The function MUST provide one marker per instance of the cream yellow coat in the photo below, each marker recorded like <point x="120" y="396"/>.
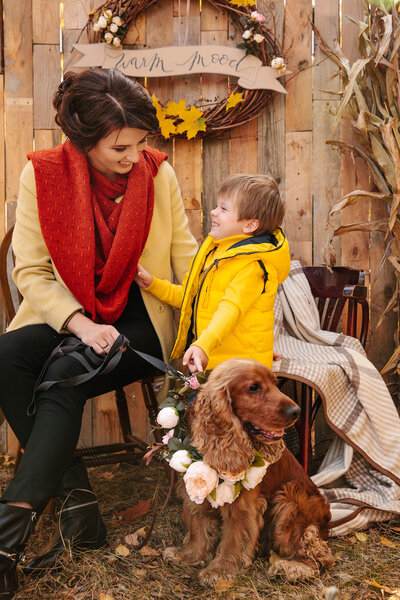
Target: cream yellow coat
<point x="169" y="245"/>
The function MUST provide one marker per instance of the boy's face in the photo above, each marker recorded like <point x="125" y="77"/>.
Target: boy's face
<point x="225" y="223"/>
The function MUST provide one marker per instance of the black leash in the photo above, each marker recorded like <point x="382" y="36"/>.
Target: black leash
<point x="93" y="363"/>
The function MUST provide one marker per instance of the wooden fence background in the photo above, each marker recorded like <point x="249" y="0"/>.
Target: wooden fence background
<point x="288" y="140"/>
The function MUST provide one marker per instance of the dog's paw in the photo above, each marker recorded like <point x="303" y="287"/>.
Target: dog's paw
<point x="171" y="554"/>
<point x="293" y="570"/>
<point x="182" y="556"/>
<point x="209" y="577"/>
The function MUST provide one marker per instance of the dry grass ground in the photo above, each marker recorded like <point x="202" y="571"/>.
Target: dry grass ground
<point x="103" y="575"/>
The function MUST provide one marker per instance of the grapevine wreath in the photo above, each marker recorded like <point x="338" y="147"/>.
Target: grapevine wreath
<point x="110" y="23"/>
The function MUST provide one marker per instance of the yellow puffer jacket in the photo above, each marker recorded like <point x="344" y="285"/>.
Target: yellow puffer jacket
<point x="227" y="297"/>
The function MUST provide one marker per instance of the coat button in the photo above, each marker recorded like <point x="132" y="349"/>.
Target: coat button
<point x="145" y="252"/>
<point x="161" y="308"/>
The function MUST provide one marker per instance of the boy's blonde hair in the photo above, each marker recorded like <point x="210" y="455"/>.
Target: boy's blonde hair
<point x="255" y="197"/>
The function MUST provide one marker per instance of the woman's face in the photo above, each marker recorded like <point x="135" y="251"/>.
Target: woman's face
<point x="115" y="154"/>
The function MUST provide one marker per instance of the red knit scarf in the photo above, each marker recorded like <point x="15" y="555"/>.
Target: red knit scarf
<point x="94" y="243"/>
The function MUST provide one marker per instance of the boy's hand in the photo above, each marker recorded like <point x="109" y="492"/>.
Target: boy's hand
<point x="195" y="358"/>
<point x="276" y="356"/>
<point x="142" y="277"/>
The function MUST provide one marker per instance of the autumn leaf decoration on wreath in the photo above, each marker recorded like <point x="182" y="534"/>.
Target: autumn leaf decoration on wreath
<point x="110" y="23"/>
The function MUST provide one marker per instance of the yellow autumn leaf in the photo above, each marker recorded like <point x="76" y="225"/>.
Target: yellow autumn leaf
<point x="122" y="550"/>
<point x="242" y="2"/>
<point x="176" y="109"/>
<point x="374" y="583"/>
<point x="388" y="543"/>
<point x="195" y="127"/>
<point x="223" y="585"/>
<point x="234" y="99"/>
<point x="167" y="126"/>
<point x="159" y="109"/>
<point x="106" y="596"/>
<point x="362" y="537"/>
<point x="192" y="122"/>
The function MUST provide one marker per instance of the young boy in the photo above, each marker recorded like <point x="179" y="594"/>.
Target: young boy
<point x="227" y="297"/>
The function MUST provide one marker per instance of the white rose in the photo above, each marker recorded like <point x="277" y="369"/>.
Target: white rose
<point x="259" y="38"/>
<point x="246" y="34"/>
<point x="117" y="21"/>
<point x="278" y="63"/>
<point x="180" y="461"/>
<point x="224" y="493"/>
<point x="108" y="14"/>
<point x="102" y="22"/>
<point x="113" y="28"/>
<point x="168" y="417"/>
<point x="200" y="479"/>
<point x="116" y="42"/>
<point x="108" y="37"/>
<point x="96" y="27"/>
<point x="254" y="475"/>
<point x="231" y="478"/>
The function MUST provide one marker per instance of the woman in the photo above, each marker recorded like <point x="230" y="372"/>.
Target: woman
<point x="87" y="210"/>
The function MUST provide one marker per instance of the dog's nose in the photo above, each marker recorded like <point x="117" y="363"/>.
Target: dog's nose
<point x="292" y="412"/>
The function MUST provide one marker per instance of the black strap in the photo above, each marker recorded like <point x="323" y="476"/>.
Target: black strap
<point x="94" y="364"/>
<point x="260" y="262"/>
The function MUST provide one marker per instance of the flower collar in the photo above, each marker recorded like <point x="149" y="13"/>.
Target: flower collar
<point x="202" y="481"/>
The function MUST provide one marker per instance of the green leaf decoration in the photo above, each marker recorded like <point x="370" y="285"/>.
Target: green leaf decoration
<point x="168" y="402"/>
<point x="213" y="494"/>
<point x="180" y="405"/>
<point x="174" y="444"/>
<point x="258" y="462"/>
<point x="238" y="489"/>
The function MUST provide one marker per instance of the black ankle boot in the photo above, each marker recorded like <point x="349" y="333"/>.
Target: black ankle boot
<point x="79" y="526"/>
<point x="16" y="525"/>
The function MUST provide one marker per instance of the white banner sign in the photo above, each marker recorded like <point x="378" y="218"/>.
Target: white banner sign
<point x="183" y="60"/>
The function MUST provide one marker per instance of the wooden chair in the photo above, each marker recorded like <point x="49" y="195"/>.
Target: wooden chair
<point x="132" y="447"/>
<point x="341" y="298"/>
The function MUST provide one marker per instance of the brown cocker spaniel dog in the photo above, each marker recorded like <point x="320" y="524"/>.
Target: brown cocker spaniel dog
<point x="238" y="410"/>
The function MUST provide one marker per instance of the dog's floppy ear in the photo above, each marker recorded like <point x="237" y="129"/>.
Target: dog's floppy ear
<point x="217" y="432"/>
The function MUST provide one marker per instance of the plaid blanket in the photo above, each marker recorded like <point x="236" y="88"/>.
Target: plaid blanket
<point x="365" y="451"/>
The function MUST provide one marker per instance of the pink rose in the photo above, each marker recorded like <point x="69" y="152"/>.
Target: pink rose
<point x="168" y="436"/>
<point x="194" y="384"/>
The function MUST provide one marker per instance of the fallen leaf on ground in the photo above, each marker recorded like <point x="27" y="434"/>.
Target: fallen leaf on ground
<point x="112" y="559"/>
<point x="134" y="539"/>
<point x="222" y="585"/>
<point x="108" y="475"/>
<point x="139" y="573"/>
<point x="147" y="551"/>
<point x="362" y="537"/>
<point x="384" y="588"/>
<point x="133" y="513"/>
<point x="106" y="596"/>
<point x="395" y="528"/>
<point x="388" y="543"/>
<point x="122" y="550"/>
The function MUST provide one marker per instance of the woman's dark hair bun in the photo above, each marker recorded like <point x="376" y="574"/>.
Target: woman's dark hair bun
<point x="93" y="103"/>
<point x="64" y="86"/>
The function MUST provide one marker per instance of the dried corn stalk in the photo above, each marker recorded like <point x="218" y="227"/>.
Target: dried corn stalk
<point x="370" y="100"/>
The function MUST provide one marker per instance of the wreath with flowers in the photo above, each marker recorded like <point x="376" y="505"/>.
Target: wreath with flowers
<point x="110" y="23"/>
<point x="202" y="481"/>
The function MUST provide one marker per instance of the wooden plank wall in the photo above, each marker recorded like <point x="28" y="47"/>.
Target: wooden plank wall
<point x="286" y="141"/>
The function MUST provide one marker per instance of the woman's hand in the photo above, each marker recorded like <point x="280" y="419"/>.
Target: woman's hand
<point x="99" y="337"/>
<point x="142" y="277"/>
<point x="195" y="358"/>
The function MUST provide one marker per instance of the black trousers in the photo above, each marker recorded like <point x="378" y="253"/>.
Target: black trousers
<point x="49" y="437"/>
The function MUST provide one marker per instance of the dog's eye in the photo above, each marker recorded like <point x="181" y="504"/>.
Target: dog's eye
<point x="255" y="387"/>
